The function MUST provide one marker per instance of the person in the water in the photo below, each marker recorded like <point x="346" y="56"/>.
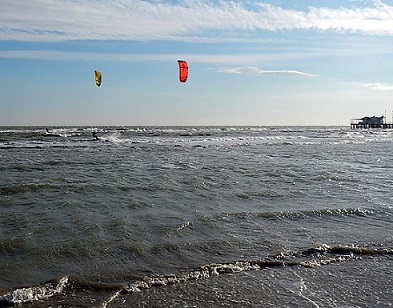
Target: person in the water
<point x="94" y="134"/>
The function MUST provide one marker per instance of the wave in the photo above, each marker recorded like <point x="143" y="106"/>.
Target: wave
<point x="194" y="136"/>
<point x="294" y="215"/>
<point x="322" y="255"/>
<point x="36" y="293"/>
<point x="320" y="213"/>
<point x="347" y="250"/>
<point x="314" y="257"/>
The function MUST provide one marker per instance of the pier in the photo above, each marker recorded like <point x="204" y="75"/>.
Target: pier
<point x="371" y="122"/>
<point x="366" y="126"/>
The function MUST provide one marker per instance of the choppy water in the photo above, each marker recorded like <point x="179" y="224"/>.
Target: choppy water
<point x="190" y="217"/>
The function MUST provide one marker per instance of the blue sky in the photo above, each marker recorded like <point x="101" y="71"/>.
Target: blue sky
<point x="280" y="62"/>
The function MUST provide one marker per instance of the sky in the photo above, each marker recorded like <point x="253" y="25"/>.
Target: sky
<point x="251" y="62"/>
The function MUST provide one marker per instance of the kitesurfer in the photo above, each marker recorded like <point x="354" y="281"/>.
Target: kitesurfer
<point x="94" y="134"/>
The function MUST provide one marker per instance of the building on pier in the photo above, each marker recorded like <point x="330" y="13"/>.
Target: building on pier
<point x="371" y="122"/>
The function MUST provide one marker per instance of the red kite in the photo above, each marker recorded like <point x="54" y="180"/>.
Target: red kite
<point x="183" y="70"/>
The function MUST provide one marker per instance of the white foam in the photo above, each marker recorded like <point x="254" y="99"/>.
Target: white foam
<point x="45" y="291"/>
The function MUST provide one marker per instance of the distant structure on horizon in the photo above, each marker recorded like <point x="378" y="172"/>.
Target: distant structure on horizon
<point x="370" y="122"/>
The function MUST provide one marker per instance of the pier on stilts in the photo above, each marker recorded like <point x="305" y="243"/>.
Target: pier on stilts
<point x="371" y="122"/>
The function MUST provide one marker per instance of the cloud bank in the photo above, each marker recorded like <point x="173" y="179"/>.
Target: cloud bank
<point x="379" y="86"/>
<point x="48" y="20"/>
<point x="223" y="59"/>
<point x="256" y="71"/>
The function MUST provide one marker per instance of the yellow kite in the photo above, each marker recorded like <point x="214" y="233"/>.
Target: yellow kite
<point x="98" y="78"/>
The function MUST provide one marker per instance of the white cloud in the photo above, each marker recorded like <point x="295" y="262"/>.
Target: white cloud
<point x="379" y="86"/>
<point x="256" y="71"/>
<point x="222" y="59"/>
<point x="50" y="55"/>
<point x="48" y="20"/>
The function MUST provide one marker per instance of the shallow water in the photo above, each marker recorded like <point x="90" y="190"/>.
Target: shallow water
<point x="226" y="216"/>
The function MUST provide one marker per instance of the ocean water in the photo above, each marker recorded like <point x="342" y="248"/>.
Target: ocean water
<point x="196" y="217"/>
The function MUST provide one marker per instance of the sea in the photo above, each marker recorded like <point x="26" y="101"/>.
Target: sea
<point x="196" y="217"/>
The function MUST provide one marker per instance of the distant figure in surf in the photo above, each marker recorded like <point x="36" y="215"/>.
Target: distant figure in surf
<point x="94" y="134"/>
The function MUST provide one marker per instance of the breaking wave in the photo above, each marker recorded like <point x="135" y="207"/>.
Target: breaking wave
<point x="314" y="257"/>
<point x="36" y="293"/>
